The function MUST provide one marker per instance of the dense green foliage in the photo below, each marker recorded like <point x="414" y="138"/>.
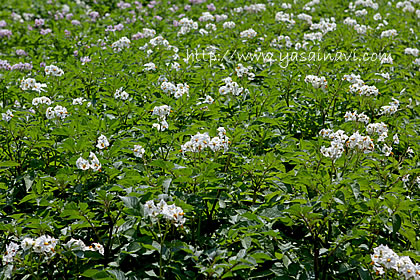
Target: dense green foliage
<point x="270" y="206"/>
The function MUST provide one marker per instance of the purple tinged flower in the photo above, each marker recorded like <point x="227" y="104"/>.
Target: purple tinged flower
<point x="123" y="5"/>
<point x="75" y="22"/>
<point x="3" y="23"/>
<point x="58" y="16"/>
<point x="68" y="33"/>
<point x="175" y="23"/>
<point x="5" y="32"/>
<point x="158" y="18"/>
<point x="22" y="66"/>
<point x="42" y="64"/>
<point x="69" y="16"/>
<point x="39" y="22"/>
<point x="137" y="36"/>
<point x="4" y="64"/>
<point x="45" y="31"/>
<point x="75" y="53"/>
<point x="119" y="27"/>
<point x="85" y="60"/>
<point x="211" y="7"/>
<point x="187" y="7"/>
<point x="93" y="15"/>
<point x="110" y="28"/>
<point x="21" y="52"/>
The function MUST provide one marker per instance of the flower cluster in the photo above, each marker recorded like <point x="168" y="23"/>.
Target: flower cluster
<point x="358" y="86"/>
<point x="285" y="17"/>
<point x="392" y="108"/>
<point x="53" y="70"/>
<point x="171" y="213"/>
<point x="11" y="251"/>
<point x="379" y="128"/>
<point x="31" y="84"/>
<point x="138" y="151"/>
<point x="325" y="25"/>
<point x="41" y="100"/>
<point x="150" y="66"/>
<point x="120" y="94"/>
<point x="162" y="112"/>
<point x="229" y="25"/>
<point x="46" y="245"/>
<point x="255" y="8"/>
<point x="339" y="140"/>
<point x="244" y="71"/>
<point x="76" y="244"/>
<point x="317" y="82"/>
<point x="56" y="112"/>
<point x="389" y="33"/>
<point x="21" y="66"/>
<point x="84" y="164"/>
<point x="249" y="34"/>
<point x="42" y="245"/>
<point x="206" y="16"/>
<point x="412" y="51"/>
<point x="361" y="142"/>
<point x="353" y="116"/>
<point x="178" y="91"/>
<point x="230" y="87"/>
<point x="7" y="116"/>
<point x="200" y="141"/>
<point x="121" y="44"/>
<point x="186" y="26"/>
<point x="384" y="258"/>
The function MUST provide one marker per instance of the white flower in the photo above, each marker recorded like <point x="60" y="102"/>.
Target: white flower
<point x="45" y="244"/>
<point x="249" y="34"/>
<point x="405" y="178"/>
<point x="389" y="33"/>
<point x="161" y="111"/>
<point x="27" y="243"/>
<point x="75" y="244"/>
<point x="56" y="112"/>
<point x="229" y="25"/>
<point x="208" y="100"/>
<point x="82" y="163"/>
<point x="396" y="139"/>
<point x="186" y="26"/>
<point x="79" y="101"/>
<point x="138" y="151"/>
<point x="11" y="251"/>
<point x="121" y="44"/>
<point x="120" y="94"/>
<point x="102" y="142"/>
<point x="41" y="100"/>
<point x="150" y="66"/>
<point x="49" y="113"/>
<point x="60" y="112"/>
<point x="334" y="151"/>
<point x="31" y="84"/>
<point x="244" y="71"/>
<point x="95" y="165"/>
<point x="157" y="126"/>
<point x="172" y="213"/>
<point x="387" y="150"/>
<point x="53" y="70"/>
<point x="7" y="116"/>
<point x="317" y="82"/>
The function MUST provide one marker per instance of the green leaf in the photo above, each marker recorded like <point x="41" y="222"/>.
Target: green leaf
<point x="9" y="164"/>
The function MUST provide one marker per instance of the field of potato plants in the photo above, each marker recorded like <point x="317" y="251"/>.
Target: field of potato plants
<point x="207" y="139"/>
